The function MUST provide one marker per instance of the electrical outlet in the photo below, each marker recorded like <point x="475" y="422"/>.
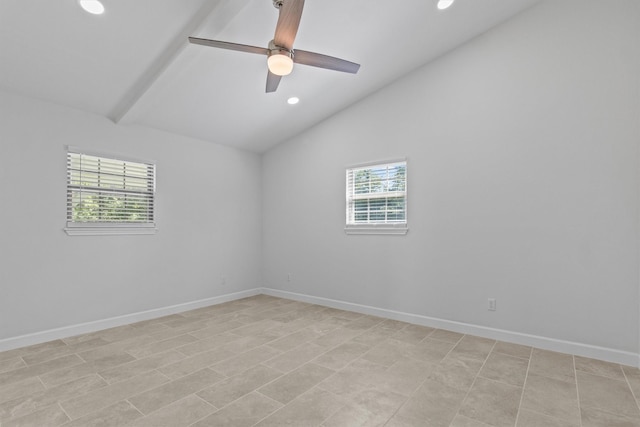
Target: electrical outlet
<point x="288" y="277"/>
<point x="223" y="280"/>
<point x="491" y="304"/>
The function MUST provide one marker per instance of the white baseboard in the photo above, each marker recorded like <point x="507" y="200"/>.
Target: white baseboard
<point x="84" y="328"/>
<point x="579" y="349"/>
<point x="585" y="350"/>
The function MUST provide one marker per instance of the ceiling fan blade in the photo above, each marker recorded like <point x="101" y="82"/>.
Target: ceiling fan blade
<point x="230" y="46"/>
<point x="323" y="61"/>
<point x="273" y="81"/>
<point x="288" y="22"/>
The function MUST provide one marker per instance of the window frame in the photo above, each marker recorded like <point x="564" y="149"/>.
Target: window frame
<point x="74" y="228"/>
<point x="396" y="228"/>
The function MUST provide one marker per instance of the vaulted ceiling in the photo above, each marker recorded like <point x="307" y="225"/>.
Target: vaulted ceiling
<point x="134" y="65"/>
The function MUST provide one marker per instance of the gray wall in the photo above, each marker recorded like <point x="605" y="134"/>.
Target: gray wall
<point x="208" y="215"/>
<point x="522" y="151"/>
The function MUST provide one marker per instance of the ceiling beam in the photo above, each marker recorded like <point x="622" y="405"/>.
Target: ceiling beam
<point x="225" y="10"/>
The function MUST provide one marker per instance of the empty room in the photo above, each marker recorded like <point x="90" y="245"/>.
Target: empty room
<point x="319" y="213"/>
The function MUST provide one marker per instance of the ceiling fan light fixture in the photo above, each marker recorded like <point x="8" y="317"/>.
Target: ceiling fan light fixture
<point x="443" y="4"/>
<point x="280" y="64"/>
<point x="92" y="6"/>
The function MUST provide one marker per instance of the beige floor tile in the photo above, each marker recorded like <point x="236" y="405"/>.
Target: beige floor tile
<point x="599" y="367"/>
<point x="208" y="344"/>
<point x="527" y="418"/>
<point x="140" y="366"/>
<point x="505" y="369"/>
<point x="403" y="377"/>
<point x="434" y="404"/>
<point x="294" y="340"/>
<point x="553" y="365"/>
<point x="352" y="416"/>
<point x="456" y="373"/>
<point x="412" y="334"/>
<point x="32" y="349"/>
<point x="552" y="397"/>
<point x="244" y="412"/>
<point x="189" y="365"/>
<point x="230" y="389"/>
<point x="607" y="394"/>
<point x="444" y="335"/>
<point x="216" y="329"/>
<point x="492" y="403"/>
<point x="341" y="356"/>
<point x="511" y="349"/>
<point x="597" y="418"/>
<point x="430" y="350"/>
<point x="336" y="337"/>
<point x="363" y="323"/>
<point x="326" y="325"/>
<point x="117" y="347"/>
<point x="119" y="414"/>
<point x="462" y="421"/>
<point x="256" y="328"/>
<point x="387" y="353"/>
<point x="373" y="336"/>
<point x="25" y="405"/>
<point x="377" y="407"/>
<point x="25" y="387"/>
<point x="11" y="364"/>
<point x="57" y="352"/>
<point x="400" y="421"/>
<point x="64" y="375"/>
<point x="165" y="394"/>
<point x="161" y="346"/>
<point x="51" y="416"/>
<point x="472" y="348"/>
<point x="109" y="395"/>
<point x="245" y="361"/>
<point x="293" y="384"/>
<point x="184" y="412"/>
<point x="308" y="410"/>
<point x="357" y="377"/>
<point x="21" y="374"/>
<point x="287" y="362"/>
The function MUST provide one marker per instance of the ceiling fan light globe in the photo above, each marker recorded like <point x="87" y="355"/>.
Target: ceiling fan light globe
<point x="92" y="6"/>
<point x="279" y="64"/>
<point x="444" y="4"/>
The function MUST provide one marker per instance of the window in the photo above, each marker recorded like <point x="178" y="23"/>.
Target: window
<point x="108" y="195"/>
<point x="377" y="198"/>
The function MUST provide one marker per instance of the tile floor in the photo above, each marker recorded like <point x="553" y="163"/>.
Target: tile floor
<point x="265" y="361"/>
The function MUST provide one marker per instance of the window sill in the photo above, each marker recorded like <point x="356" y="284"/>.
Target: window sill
<point x="372" y="229"/>
<point x="109" y="231"/>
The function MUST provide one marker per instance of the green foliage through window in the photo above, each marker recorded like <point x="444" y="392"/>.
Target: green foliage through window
<point x="109" y="191"/>
<point x="377" y="194"/>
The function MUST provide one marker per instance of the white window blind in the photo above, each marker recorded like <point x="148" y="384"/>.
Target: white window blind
<point x="377" y="198"/>
<point x="107" y="194"/>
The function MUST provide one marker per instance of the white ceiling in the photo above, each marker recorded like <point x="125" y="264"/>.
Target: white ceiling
<point x="134" y="65"/>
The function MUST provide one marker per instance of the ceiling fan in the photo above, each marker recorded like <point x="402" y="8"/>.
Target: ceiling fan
<point x="280" y="54"/>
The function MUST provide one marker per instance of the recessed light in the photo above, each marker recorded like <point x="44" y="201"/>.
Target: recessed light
<point x="293" y="100"/>
<point x="443" y="4"/>
<point x="92" y="6"/>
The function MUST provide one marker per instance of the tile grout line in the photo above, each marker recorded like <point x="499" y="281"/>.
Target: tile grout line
<point x="575" y="374"/>
<point x="426" y="379"/>
<point x="476" y="378"/>
<point x="630" y="388"/>
<point x="524" y="385"/>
